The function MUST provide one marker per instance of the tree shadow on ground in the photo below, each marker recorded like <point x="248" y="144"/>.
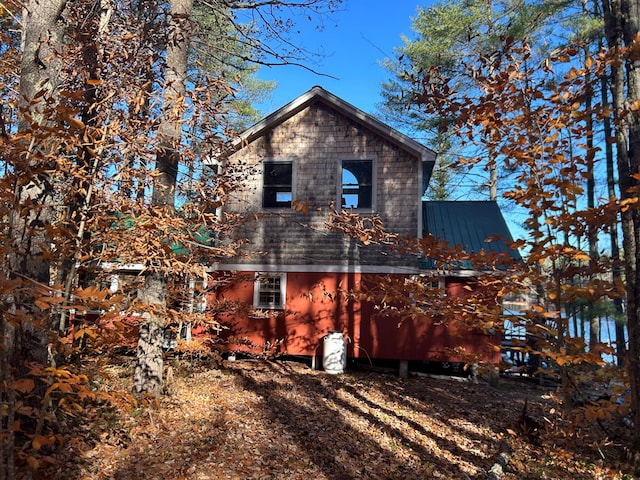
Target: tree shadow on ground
<point x="280" y="420"/>
<point x="427" y="409"/>
<point x="345" y="420"/>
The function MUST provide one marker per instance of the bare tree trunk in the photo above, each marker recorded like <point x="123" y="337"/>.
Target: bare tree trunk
<point x="148" y="373"/>
<point x="148" y="376"/>
<point x="24" y="333"/>
<point x="621" y="27"/>
<point x="616" y="272"/>
<point x="631" y="218"/>
<point x="592" y="233"/>
<point x="28" y="237"/>
<point x="168" y="156"/>
<point x="493" y="179"/>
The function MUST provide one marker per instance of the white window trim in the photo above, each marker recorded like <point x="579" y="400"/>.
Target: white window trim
<point x="374" y="182"/>
<point x="431" y="282"/>
<point x="198" y="295"/>
<point x="256" y="290"/>
<point x="293" y="182"/>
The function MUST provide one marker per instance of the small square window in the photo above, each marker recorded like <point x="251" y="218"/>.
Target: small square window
<point x="357" y="184"/>
<point x="269" y="291"/>
<point x="432" y="284"/>
<point x="277" y="189"/>
<point x="422" y="290"/>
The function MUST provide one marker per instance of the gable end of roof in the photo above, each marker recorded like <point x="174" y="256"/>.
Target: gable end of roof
<point x="319" y="94"/>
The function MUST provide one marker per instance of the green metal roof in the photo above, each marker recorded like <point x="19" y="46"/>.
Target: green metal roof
<point x="199" y="233"/>
<point x="467" y="224"/>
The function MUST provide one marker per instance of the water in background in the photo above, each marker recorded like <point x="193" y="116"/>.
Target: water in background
<point x="607" y="334"/>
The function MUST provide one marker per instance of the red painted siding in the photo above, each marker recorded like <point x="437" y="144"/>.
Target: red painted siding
<point x="316" y="304"/>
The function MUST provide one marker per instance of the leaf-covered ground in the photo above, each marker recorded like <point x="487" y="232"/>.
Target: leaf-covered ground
<point x="255" y="419"/>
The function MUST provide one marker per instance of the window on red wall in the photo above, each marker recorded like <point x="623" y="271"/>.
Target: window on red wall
<point x="269" y="291"/>
<point x="423" y="290"/>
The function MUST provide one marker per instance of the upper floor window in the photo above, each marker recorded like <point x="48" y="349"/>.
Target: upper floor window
<point x="269" y="290"/>
<point x="357" y="184"/>
<point x="277" y="189"/>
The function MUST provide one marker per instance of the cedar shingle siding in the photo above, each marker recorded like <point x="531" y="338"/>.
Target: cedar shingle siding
<point x="316" y="140"/>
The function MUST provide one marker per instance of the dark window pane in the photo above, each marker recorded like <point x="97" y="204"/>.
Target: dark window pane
<point x="267" y="298"/>
<point x="365" y="197"/>
<point x="277" y="184"/>
<point x="361" y="169"/>
<point x="269" y="294"/>
<point x="277" y="173"/>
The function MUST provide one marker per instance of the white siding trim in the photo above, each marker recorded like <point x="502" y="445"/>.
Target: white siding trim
<point x="256" y="267"/>
<point x="382" y="269"/>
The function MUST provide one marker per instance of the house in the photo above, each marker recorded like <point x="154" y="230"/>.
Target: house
<point x="315" y="154"/>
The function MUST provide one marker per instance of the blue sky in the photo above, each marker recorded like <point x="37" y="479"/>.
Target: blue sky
<point x="354" y="41"/>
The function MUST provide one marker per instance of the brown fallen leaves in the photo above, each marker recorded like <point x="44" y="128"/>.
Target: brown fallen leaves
<point x="280" y="420"/>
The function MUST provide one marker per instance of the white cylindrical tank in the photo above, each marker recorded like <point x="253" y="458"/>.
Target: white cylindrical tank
<point x="334" y="357"/>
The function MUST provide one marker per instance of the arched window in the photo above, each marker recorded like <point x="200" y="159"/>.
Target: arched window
<point x="357" y="184"/>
